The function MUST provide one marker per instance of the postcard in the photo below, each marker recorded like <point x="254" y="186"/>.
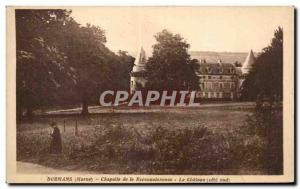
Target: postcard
<point x="150" y="95"/>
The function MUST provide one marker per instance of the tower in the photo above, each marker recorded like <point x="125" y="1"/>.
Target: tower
<point x="137" y="76"/>
<point x="248" y="64"/>
<point x="246" y="68"/>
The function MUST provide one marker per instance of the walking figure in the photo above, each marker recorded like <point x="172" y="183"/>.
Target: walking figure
<point x="55" y="146"/>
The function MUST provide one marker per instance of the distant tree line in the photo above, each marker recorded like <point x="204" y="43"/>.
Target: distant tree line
<point x="60" y="62"/>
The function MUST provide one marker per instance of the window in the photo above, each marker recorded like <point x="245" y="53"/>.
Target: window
<point x="233" y="85"/>
<point x="208" y="69"/>
<point x="207" y="85"/>
<point x="201" y="86"/>
<point x="221" y="70"/>
<point x="220" y="85"/>
<point x="231" y="70"/>
<point x="209" y="77"/>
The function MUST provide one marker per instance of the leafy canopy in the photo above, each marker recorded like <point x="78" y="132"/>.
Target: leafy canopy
<point x="267" y="75"/>
<point x="61" y="62"/>
<point x="170" y="67"/>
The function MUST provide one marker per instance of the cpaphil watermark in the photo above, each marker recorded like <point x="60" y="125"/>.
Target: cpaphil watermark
<point x="139" y="98"/>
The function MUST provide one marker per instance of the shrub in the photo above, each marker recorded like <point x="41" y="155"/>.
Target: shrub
<point x="265" y="127"/>
<point x="163" y="151"/>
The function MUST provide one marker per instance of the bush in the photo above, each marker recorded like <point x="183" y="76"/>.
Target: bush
<point x="265" y="126"/>
<point x="163" y="151"/>
<point x="117" y="147"/>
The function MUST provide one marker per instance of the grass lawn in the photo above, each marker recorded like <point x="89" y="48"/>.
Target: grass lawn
<point x="210" y="140"/>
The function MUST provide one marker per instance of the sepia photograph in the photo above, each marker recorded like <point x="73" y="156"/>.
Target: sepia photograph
<point x="160" y="94"/>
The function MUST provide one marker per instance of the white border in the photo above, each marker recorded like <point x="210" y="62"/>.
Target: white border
<point x="4" y="3"/>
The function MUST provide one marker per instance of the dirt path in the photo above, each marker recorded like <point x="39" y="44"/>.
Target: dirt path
<point x="148" y="109"/>
<point x="31" y="168"/>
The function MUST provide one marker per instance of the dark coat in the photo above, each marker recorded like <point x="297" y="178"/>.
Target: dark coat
<point x="56" y="145"/>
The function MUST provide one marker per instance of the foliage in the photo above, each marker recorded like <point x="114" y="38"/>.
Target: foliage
<point x="95" y="64"/>
<point x="170" y="67"/>
<point x="161" y="143"/>
<point x="266" y="123"/>
<point x="41" y="67"/>
<point x="61" y="62"/>
<point x="266" y="79"/>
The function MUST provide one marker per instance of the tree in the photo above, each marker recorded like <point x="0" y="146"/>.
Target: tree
<point x="266" y="78"/>
<point x="41" y="67"/>
<point x="97" y="67"/>
<point x="87" y="54"/>
<point x="122" y="71"/>
<point x="61" y="62"/>
<point x="237" y="64"/>
<point x="170" y="67"/>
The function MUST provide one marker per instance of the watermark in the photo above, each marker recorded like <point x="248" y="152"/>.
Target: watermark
<point x="138" y="98"/>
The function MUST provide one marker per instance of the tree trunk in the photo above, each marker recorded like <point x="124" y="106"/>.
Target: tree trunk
<point x="85" y="106"/>
<point x="29" y="112"/>
<point x="19" y="113"/>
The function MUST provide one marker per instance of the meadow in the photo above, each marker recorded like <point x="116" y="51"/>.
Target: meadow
<point x="210" y="140"/>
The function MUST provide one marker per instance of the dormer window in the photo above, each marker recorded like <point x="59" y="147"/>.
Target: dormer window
<point x="208" y="69"/>
<point x="220" y="70"/>
<point x="231" y="70"/>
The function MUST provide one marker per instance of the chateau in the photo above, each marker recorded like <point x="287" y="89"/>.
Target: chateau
<point x="218" y="80"/>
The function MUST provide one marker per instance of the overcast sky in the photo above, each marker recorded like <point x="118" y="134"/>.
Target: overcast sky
<point x="205" y="29"/>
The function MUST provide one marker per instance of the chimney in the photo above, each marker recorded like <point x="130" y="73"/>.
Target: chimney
<point x="203" y="61"/>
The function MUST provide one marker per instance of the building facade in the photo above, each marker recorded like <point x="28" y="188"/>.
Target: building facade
<point x="217" y="80"/>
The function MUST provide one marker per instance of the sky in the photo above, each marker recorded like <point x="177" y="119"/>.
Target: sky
<point x="221" y="29"/>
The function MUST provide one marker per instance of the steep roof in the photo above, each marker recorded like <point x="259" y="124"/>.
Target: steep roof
<point x="210" y="56"/>
<point x="249" y="62"/>
<point x="217" y="69"/>
<point x="140" y="61"/>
